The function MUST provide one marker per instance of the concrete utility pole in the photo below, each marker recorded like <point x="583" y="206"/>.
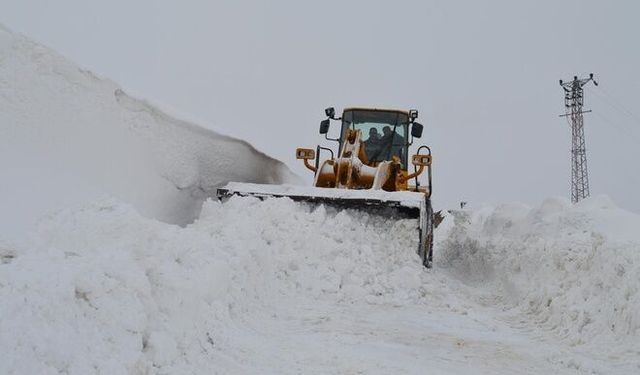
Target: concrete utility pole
<point x="573" y="101"/>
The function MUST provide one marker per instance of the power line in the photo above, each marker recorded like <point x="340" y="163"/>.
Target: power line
<point x="626" y="131"/>
<point x="608" y="99"/>
<point x="629" y="137"/>
<point x="617" y="108"/>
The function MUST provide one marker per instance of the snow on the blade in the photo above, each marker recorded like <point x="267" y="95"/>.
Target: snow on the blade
<point x="67" y="136"/>
<point x="406" y="198"/>
<point x="573" y="270"/>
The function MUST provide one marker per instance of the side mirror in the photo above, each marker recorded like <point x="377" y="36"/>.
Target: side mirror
<point x="305" y="153"/>
<point x="416" y="130"/>
<point x="324" y="126"/>
<point x="330" y="112"/>
<point x="421" y="160"/>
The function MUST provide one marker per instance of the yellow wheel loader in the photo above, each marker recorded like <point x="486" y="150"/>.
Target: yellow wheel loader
<point x="371" y="171"/>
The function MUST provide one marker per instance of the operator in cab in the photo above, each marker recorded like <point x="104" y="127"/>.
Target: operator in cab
<point x="372" y="144"/>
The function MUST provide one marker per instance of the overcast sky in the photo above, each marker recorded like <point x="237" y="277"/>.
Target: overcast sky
<point x="484" y="76"/>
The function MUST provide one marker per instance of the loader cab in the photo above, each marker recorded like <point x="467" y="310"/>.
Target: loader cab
<point x="384" y="133"/>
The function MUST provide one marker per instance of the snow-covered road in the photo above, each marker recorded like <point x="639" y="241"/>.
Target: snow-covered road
<point x="310" y="336"/>
<point x="278" y="287"/>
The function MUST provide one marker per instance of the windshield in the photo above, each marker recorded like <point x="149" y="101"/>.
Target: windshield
<point x="384" y="133"/>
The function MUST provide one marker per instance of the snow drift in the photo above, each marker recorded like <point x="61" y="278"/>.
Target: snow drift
<point x="67" y="136"/>
<point x="573" y="270"/>
<point x="102" y="289"/>
<point x="276" y="286"/>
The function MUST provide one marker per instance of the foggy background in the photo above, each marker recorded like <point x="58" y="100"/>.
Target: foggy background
<point x="484" y="76"/>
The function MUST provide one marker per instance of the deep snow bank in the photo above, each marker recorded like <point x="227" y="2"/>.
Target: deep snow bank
<point x="570" y="269"/>
<point x="67" y="136"/>
<point x="102" y="289"/>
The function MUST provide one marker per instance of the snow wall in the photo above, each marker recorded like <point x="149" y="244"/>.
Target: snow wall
<point x="573" y="270"/>
<point x="67" y="136"/>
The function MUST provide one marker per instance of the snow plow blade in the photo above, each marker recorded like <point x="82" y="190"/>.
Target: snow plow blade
<point x="395" y="205"/>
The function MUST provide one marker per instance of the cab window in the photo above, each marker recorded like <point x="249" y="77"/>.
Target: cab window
<point x="384" y="133"/>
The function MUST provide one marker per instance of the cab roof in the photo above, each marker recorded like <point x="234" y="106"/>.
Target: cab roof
<point x="377" y="110"/>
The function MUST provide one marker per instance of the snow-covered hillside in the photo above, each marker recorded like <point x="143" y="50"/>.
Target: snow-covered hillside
<point x="67" y="136"/>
